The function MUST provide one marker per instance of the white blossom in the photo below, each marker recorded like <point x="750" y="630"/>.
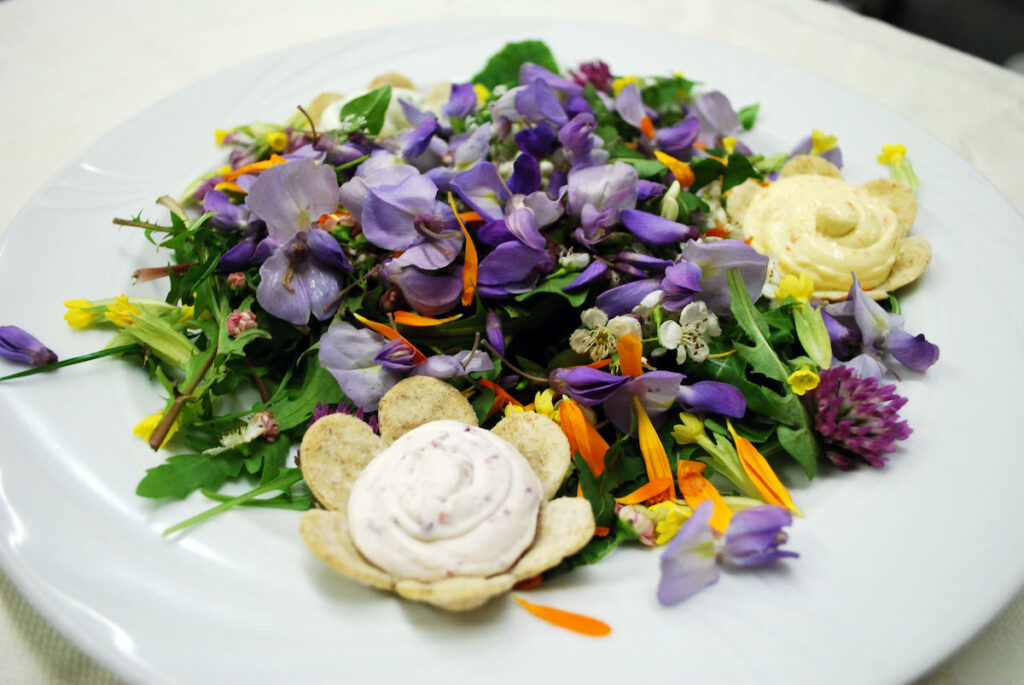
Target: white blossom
<point x="689" y="336"/>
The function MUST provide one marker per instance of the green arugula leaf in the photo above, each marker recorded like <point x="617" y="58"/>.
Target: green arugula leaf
<point x="738" y="170"/>
<point x="760" y="356"/>
<point x="802" y="446"/>
<point x="503" y="67"/>
<point x="297" y="405"/>
<point x="366" y="112"/>
<point x="482" y="404"/>
<point x="748" y="116"/>
<point x="184" y="473"/>
<point x="601" y="500"/>
<point x="554" y="284"/>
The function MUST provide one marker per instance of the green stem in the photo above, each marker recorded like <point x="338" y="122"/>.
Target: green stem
<point x="280" y="483"/>
<point x="75" y="360"/>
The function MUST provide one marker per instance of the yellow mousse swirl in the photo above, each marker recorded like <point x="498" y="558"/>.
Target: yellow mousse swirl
<point x="826" y="228"/>
<point x="444" y="500"/>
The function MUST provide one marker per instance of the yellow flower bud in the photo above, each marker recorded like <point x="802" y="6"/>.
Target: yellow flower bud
<point x="219" y="135"/>
<point x="277" y="141"/>
<point x="121" y="311"/>
<point x="144" y="428"/>
<point x="821" y="142"/>
<point x="690" y="430"/>
<point x="892" y="154"/>
<point x="803" y="380"/>
<point x="620" y="83"/>
<point x="800" y="288"/>
<point x="482" y="92"/>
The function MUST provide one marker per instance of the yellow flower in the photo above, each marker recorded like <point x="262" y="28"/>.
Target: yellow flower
<point x="144" y="428"/>
<point x="620" y="83"/>
<point x="220" y="134"/>
<point x="511" y="409"/>
<point x="543" y="403"/>
<point x="800" y="288"/>
<point x="277" y="141"/>
<point x="188" y="312"/>
<point x="803" y="380"/>
<point x="820" y="142"/>
<point x="482" y="92"/>
<point x="226" y="169"/>
<point x="121" y="311"/>
<point x="729" y="144"/>
<point x="669" y="517"/>
<point x="892" y="154"/>
<point x="77" y="315"/>
<point x="689" y="431"/>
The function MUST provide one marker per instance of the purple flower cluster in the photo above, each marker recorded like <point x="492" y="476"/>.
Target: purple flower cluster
<point x="858" y="418"/>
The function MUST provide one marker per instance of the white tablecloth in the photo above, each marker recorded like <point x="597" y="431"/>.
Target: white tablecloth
<point x="72" y="70"/>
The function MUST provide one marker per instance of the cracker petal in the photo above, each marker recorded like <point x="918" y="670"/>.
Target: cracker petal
<point x="326" y="534"/>
<point x="809" y="164"/>
<point x="899" y="197"/>
<point x="334" y="451"/>
<point x="418" y="400"/>
<point x="566" y="524"/>
<point x="542" y="442"/>
<point x="461" y="593"/>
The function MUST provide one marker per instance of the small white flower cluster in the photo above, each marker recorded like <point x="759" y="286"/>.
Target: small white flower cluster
<point x="690" y="335"/>
<point x="598" y="336"/>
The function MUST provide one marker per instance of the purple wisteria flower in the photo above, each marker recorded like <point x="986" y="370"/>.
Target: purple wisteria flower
<point x="461" y="102"/>
<point x="409" y="217"/>
<point x="680" y="284"/>
<point x="597" y="194"/>
<point x="622" y="298"/>
<point x="656" y="230"/>
<point x="350" y="355"/>
<point x="860" y="322"/>
<point x="495" y="335"/>
<point x="718" y="119"/>
<point x="716" y="259"/>
<point x="675" y="140"/>
<point x="858" y="418"/>
<point x="383" y="168"/>
<point x="537" y="102"/>
<point x="690" y="561"/>
<point x="512" y="268"/>
<point x="304" y="272"/>
<point x="19" y="346"/>
<point x="428" y="292"/>
<point x="586" y="385"/>
<point x="445" y="366"/>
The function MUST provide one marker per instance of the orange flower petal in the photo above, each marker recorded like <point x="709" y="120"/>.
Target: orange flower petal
<point x="594" y="365"/>
<point x="391" y="334"/>
<point x="647" y="127"/>
<point x="657" y="489"/>
<point x="582" y="436"/>
<point x="577" y="623"/>
<point x="469" y="216"/>
<point x="631" y="355"/>
<point x="403" y="318"/>
<point x="501" y="397"/>
<point x="255" y="166"/>
<point x="651" y="447"/>
<point x="696" y="489"/>
<point x="470" y="262"/>
<point x="761" y="473"/>
<point x="680" y="169"/>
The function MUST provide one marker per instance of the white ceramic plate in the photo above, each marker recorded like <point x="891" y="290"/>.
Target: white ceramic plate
<point x="898" y="566"/>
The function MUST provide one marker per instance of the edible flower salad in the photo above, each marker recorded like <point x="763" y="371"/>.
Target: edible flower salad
<point x="577" y="246"/>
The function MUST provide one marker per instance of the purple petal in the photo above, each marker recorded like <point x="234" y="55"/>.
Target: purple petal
<point x="383" y="168"/>
<point x="755" y="535"/>
<point x="326" y="249"/>
<point x="311" y="289"/>
<point x="645" y="190"/>
<point x="19" y="346"/>
<point x="348" y="354"/>
<point x="537" y="103"/>
<point x="546" y="210"/>
<point x="481" y="188"/>
<point x="513" y="266"/>
<point x="429" y="293"/>
<point x="630" y="106"/>
<point x="575" y="135"/>
<point x="396" y="356"/>
<point x="530" y="72"/>
<point x="239" y="257"/>
<point x="688" y="563"/>
<point x="623" y="298"/>
<point x="494" y="233"/>
<point x="654" y="229"/>
<point x="865" y="365"/>
<point x="712" y="397"/>
<point x="657" y="392"/>
<point x="716" y="259"/>
<point x="677" y="139"/>
<point x="606" y="186"/>
<point x="585" y="385"/>
<point x="461" y="102"/>
<point x="681" y="283"/>
<point x="495" y="336"/>
<point x="525" y="176"/>
<point x="229" y="215"/>
<point x="389" y="212"/>
<point x="643" y="261"/>
<point x="717" y="117"/>
<point x="593" y="272"/>
<point x="523" y="225"/>
<point x="289" y="197"/>
<point x="472" y="148"/>
<point x="417" y="140"/>
<point x="913" y="351"/>
<point x="538" y="142"/>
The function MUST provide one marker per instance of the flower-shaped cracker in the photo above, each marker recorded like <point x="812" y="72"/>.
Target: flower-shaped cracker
<point x="828" y="229"/>
<point x="336" y="449"/>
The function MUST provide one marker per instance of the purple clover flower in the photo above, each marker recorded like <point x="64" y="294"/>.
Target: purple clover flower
<point x="321" y="410"/>
<point x="858" y="418"/>
<point x="19" y="346"/>
<point x="596" y="73"/>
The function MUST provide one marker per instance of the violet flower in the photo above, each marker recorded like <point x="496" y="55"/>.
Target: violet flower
<point x="229" y="216"/>
<point x="349" y="354"/>
<point x="537" y="102"/>
<point x="656" y="230"/>
<point x="461" y="102"/>
<point x="539" y="141"/>
<point x="877" y="331"/>
<point x="858" y="418"/>
<point x="585" y="146"/>
<point x="718" y="119"/>
<point x="303" y="274"/>
<point x="586" y="385"/>
<point x="530" y="72"/>
<point x="428" y="292"/>
<point x="495" y="335"/>
<point x="446" y="366"/>
<point x="675" y="140"/>
<point x="716" y="259"/>
<point x="511" y="269"/>
<point x="396" y="356"/>
<point x="622" y="298"/>
<point x="381" y="169"/>
<point x="597" y="194"/>
<point x="680" y="284"/>
<point x="409" y="217"/>
<point x="690" y="561"/>
<point x="19" y="346"/>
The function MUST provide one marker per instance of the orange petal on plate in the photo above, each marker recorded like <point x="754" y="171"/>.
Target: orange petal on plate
<point x="656" y="489"/>
<point x="582" y="436"/>
<point x="647" y="127"/>
<point x="391" y="334"/>
<point x="631" y="355"/>
<point x="255" y="166"/>
<point x="680" y="169"/>
<point x="696" y="489"/>
<point x="470" y="262"/>
<point x="761" y="473"/>
<point x="404" y="318"/>
<point x="577" y="623"/>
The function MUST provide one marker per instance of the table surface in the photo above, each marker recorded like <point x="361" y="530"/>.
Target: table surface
<point x="74" y="70"/>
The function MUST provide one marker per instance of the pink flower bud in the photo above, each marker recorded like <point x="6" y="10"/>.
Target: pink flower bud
<point x="269" y="422"/>
<point x="240" y="320"/>
<point x="236" y="280"/>
<point x="641" y="521"/>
